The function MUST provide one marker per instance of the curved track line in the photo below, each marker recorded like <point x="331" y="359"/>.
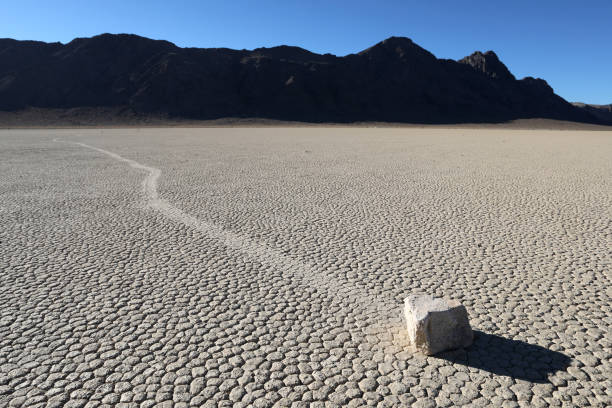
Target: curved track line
<point x="367" y="305"/>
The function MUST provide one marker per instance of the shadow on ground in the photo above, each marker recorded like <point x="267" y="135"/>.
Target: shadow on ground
<point x="512" y="358"/>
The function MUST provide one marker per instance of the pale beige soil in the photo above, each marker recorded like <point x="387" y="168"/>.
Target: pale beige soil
<point x="267" y="266"/>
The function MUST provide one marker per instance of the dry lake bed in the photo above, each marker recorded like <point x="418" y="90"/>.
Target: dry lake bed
<point x="267" y="267"/>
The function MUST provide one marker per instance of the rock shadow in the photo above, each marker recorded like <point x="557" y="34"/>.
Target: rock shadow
<point x="512" y="358"/>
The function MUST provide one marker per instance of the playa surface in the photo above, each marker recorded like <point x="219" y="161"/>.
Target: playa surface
<point x="268" y="266"/>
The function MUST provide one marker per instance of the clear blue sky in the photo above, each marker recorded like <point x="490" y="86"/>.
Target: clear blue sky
<point x="568" y="43"/>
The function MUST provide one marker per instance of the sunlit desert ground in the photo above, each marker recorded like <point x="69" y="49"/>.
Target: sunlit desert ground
<point x="267" y="267"/>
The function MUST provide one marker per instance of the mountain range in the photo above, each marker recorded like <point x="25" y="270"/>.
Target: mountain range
<point x="393" y="81"/>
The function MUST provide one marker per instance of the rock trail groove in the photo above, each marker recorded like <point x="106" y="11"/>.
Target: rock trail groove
<point x="367" y="304"/>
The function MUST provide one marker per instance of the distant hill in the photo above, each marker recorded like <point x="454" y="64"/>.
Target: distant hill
<point x="602" y="112"/>
<point x="393" y="81"/>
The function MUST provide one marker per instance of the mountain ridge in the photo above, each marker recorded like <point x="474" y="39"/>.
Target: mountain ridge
<point x="602" y="112"/>
<point x="395" y="80"/>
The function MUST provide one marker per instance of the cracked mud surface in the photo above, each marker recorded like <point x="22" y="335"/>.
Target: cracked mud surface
<point x="270" y="268"/>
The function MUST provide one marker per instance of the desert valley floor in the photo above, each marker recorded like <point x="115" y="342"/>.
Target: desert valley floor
<point x="268" y="266"/>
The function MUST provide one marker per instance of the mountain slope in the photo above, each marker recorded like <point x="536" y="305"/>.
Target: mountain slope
<point x="602" y="112"/>
<point x="395" y="80"/>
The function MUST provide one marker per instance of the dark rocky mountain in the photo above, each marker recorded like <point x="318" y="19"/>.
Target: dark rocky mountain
<point x="489" y="64"/>
<point x="395" y="81"/>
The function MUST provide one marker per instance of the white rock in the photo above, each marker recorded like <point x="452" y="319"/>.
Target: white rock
<point x="436" y="325"/>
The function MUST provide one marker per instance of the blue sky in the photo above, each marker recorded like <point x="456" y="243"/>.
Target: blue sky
<point x="568" y="43"/>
